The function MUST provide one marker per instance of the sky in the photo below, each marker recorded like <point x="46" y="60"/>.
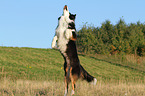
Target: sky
<point x="32" y="23"/>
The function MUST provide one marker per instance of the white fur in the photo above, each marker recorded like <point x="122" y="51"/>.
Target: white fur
<point x="54" y="42"/>
<point x="62" y="33"/>
<point x="65" y="93"/>
<point x="72" y="92"/>
<point x="68" y="34"/>
<point x="94" y="81"/>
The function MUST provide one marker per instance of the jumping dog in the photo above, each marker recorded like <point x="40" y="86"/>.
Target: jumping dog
<point x="65" y="37"/>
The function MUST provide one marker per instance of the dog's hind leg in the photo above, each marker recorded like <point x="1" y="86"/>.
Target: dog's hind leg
<point x="67" y="79"/>
<point x="73" y="82"/>
<point x="73" y="87"/>
<point x="66" y="86"/>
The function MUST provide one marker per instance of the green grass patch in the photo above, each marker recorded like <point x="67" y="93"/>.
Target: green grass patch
<point x="47" y="64"/>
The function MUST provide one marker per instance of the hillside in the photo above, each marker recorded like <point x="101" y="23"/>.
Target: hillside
<point x="47" y="64"/>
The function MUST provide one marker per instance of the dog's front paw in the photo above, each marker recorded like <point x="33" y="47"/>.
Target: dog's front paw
<point x="68" y="34"/>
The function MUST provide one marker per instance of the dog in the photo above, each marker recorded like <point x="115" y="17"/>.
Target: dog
<point x="66" y="37"/>
<point x="62" y="32"/>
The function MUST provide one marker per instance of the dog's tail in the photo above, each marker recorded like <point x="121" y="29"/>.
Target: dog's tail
<point x="86" y="76"/>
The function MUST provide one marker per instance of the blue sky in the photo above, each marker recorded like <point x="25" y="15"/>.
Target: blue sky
<point x="32" y="23"/>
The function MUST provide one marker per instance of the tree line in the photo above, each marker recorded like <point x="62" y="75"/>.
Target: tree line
<point x="112" y="39"/>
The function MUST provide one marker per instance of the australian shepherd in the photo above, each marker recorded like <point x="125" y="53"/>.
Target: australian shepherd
<point x="64" y="40"/>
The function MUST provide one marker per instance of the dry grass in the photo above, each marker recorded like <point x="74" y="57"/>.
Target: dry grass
<point x="135" y="59"/>
<point x="37" y="72"/>
<point x="51" y="88"/>
<point x="125" y="60"/>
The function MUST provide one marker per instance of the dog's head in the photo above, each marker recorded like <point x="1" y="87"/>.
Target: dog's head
<point x="67" y="18"/>
<point x="66" y="11"/>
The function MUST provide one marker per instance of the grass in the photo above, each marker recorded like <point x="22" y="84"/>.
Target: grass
<point x="129" y="61"/>
<point x="51" y="88"/>
<point x="32" y="72"/>
<point x="30" y="63"/>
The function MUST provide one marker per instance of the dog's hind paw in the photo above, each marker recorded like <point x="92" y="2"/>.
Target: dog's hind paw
<point x="72" y="92"/>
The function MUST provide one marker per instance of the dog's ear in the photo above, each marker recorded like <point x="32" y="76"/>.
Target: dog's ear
<point x="59" y="18"/>
<point x="75" y="15"/>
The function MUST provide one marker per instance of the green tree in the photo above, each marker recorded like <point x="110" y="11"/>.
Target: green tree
<point x="112" y="38"/>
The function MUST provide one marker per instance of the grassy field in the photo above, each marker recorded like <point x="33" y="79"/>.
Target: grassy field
<point x="35" y="72"/>
<point x="51" y="88"/>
